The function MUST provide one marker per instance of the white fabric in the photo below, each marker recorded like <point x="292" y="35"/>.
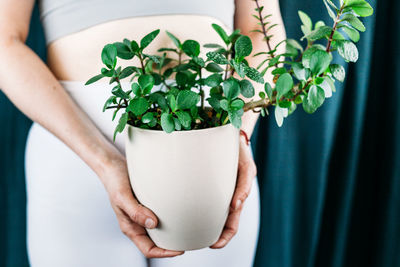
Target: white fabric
<point x="71" y="222"/>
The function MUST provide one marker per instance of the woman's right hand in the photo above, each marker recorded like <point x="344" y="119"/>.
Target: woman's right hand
<point x="133" y="217"/>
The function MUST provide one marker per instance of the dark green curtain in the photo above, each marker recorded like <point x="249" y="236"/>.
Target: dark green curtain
<point x="330" y="182"/>
<point x="15" y="127"/>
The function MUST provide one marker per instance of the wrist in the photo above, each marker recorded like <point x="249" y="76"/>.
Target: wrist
<point x="244" y="137"/>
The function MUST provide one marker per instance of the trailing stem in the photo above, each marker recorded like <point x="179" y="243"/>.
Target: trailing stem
<point x="265" y="103"/>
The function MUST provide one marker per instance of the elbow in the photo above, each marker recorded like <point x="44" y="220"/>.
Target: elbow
<point x="10" y="39"/>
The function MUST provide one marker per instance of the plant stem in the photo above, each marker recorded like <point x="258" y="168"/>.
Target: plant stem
<point x="120" y="86"/>
<point x="201" y="92"/>
<point x="142" y="63"/>
<point x="328" y="46"/>
<point x="264" y="31"/>
<point x="118" y="106"/>
<point x="265" y="103"/>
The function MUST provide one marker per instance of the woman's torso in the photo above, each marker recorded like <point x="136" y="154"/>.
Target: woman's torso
<point x="76" y="56"/>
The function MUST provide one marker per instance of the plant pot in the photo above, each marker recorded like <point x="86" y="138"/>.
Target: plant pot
<point x="187" y="178"/>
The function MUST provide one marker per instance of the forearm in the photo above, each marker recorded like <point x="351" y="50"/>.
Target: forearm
<point x="31" y="86"/>
<point x="249" y="119"/>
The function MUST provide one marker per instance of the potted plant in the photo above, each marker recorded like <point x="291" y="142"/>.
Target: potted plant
<point x="173" y="125"/>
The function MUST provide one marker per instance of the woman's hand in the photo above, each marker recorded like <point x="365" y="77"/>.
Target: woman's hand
<point x="246" y="172"/>
<point x="133" y="217"/>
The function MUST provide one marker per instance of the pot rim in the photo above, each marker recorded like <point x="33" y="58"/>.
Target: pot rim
<point x="184" y="131"/>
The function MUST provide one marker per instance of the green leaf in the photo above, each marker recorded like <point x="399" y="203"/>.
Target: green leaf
<point x="316" y="96"/>
<point x="239" y="67"/>
<point x="172" y="102"/>
<point x="305" y="19"/>
<point x="319" y="62"/>
<point x="307" y="55"/>
<point x="199" y="61"/>
<point x="235" y="119"/>
<point x="187" y="99"/>
<point x="191" y="48"/>
<point x="213" y="80"/>
<point x="246" y="88"/>
<point x="138" y="106"/>
<point x="284" y="84"/>
<point x="279" y="71"/>
<point x="174" y="39"/>
<point x="301" y="73"/>
<point x="167" y="122"/>
<point x="237" y="104"/>
<point x="146" y="82"/>
<point x="214" y="103"/>
<point x="221" y="33"/>
<point x="159" y="99"/>
<point x="254" y="75"/>
<point x="134" y="46"/>
<point x="330" y="11"/>
<point x="148" y="39"/>
<point x="182" y="78"/>
<point x="360" y="7"/>
<point x="280" y="114"/>
<point x="319" y="33"/>
<point x="268" y="89"/>
<point x="307" y="106"/>
<point x="213" y="46"/>
<point x="111" y="100"/>
<point x="121" y="124"/>
<point x="347" y="50"/>
<point x="231" y="88"/>
<point x="224" y="104"/>
<point x="109" y="55"/>
<point x="148" y="117"/>
<point x="338" y="72"/>
<point x="117" y="91"/>
<point x="217" y="58"/>
<point x="123" y="51"/>
<point x="326" y="85"/>
<point x="136" y="89"/>
<point x="213" y="67"/>
<point x="319" y="24"/>
<point x="126" y="72"/>
<point x="295" y="44"/>
<point x="243" y="47"/>
<point x="354" y="21"/>
<point x="94" y="79"/>
<point x="177" y="123"/>
<point x="352" y="33"/>
<point x="184" y="118"/>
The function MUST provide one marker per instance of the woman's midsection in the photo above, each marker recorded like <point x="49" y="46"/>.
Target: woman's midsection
<point x="77" y="56"/>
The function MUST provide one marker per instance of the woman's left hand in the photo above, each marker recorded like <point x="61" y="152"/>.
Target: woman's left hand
<point x="246" y="173"/>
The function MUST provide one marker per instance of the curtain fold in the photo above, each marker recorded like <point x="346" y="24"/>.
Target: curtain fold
<point x="13" y="135"/>
<point x="330" y="182"/>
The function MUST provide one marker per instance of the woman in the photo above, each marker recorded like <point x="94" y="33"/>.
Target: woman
<point x="70" y="159"/>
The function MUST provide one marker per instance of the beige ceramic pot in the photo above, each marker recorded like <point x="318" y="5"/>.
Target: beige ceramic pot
<point x="187" y="178"/>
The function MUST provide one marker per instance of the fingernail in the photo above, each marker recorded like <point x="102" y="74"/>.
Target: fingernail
<point x="238" y="203"/>
<point x="149" y="223"/>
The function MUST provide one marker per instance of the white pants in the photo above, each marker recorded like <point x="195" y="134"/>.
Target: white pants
<point x="71" y="222"/>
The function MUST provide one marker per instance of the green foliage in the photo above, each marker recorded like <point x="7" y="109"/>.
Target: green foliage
<point x="167" y="90"/>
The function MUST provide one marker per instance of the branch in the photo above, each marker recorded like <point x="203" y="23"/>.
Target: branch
<point x="263" y="28"/>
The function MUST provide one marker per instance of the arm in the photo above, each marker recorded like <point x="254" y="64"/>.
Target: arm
<point x="247" y="168"/>
<point x="31" y="86"/>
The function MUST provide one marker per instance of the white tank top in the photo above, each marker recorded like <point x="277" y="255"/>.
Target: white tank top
<point x="63" y="17"/>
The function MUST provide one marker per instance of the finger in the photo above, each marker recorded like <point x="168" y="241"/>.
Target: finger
<point x="135" y="211"/>
<point x="230" y="229"/>
<point x="139" y="236"/>
<point x="243" y="186"/>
